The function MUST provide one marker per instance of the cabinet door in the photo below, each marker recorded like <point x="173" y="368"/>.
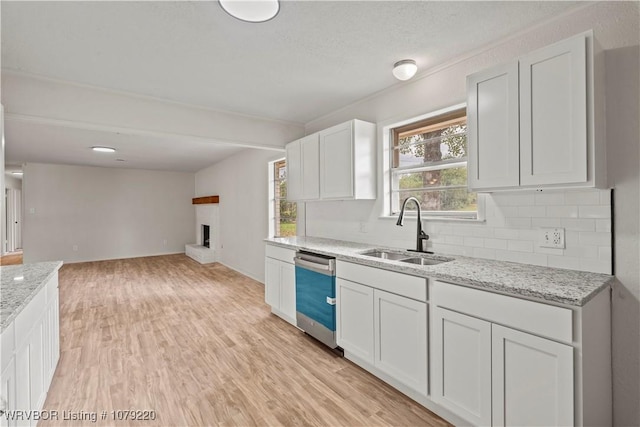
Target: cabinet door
<point x="354" y="319"/>
<point x="294" y="171"/>
<point x="8" y="392"/>
<point x="336" y="162"/>
<point x="36" y="366"/>
<point x="532" y="380"/>
<point x="461" y="357"/>
<point x="56" y="332"/>
<point x="400" y="333"/>
<point x="493" y="128"/>
<point x="310" y="167"/>
<point x="553" y="114"/>
<point x="23" y="392"/>
<point x="288" y="290"/>
<point x="272" y="282"/>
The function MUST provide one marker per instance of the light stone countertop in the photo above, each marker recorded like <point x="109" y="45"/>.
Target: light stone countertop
<point x="16" y="294"/>
<point x="568" y="287"/>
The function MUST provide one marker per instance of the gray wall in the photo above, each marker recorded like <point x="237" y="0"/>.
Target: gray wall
<point x="107" y="213"/>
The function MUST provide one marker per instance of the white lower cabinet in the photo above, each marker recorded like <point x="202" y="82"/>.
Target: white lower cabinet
<point x="532" y="380"/>
<point x="354" y="319"/>
<point x="26" y="373"/>
<point x="384" y="332"/>
<point x="401" y="339"/>
<point x="461" y="370"/>
<point x="280" y="282"/>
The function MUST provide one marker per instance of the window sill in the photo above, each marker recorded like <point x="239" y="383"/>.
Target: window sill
<point x="436" y="218"/>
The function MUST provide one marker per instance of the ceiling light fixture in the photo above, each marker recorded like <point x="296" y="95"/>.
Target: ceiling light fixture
<point x="251" y="10"/>
<point x="104" y="149"/>
<point x="17" y="173"/>
<point x="405" y="69"/>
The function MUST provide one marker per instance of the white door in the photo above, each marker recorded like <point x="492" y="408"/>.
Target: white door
<point x="461" y="357"/>
<point x="294" y="171"/>
<point x="493" y="128"/>
<point x="288" y="290"/>
<point x="336" y="162"/>
<point x="400" y="333"/>
<point x="310" y="169"/>
<point x="272" y="282"/>
<point x="553" y="114"/>
<point x="17" y="219"/>
<point x="354" y="319"/>
<point x="532" y="380"/>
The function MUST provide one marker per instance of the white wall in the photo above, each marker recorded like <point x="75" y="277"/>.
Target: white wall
<point x="12" y="182"/>
<point x="615" y="26"/>
<point x="241" y="181"/>
<point x="107" y="213"/>
<point x="3" y="224"/>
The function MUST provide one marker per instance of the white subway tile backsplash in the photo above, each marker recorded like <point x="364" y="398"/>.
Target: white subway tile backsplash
<point x="483" y="232"/>
<point x="563" y="262"/>
<point x="532" y="211"/>
<point x="484" y="253"/>
<point x="495" y="243"/>
<point x="454" y="240"/>
<point x="520" y="245"/>
<point x="505" y="233"/>
<point x="581" y="251"/>
<point x="603" y="225"/>
<point x="506" y="211"/>
<point x="582" y="197"/>
<point x="518" y="222"/>
<point x="604" y="252"/>
<point x="546" y="222"/>
<point x="562" y="211"/>
<point x="605" y="197"/>
<point x="579" y="224"/>
<point x="595" y="211"/>
<point x="474" y="242"/>
<point x="549" y="199"/>
<point x="522" y="257"/>
<point x="595" y="238"/>
<point x="596" y="266"/>
<point x="548" y="251"/>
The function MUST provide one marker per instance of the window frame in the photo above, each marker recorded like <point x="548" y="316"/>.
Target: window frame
<point x="274" y="217"/>
<point x="390" y="134"/>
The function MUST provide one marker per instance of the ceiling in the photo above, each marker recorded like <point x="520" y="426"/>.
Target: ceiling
<point x="313" y="58"/>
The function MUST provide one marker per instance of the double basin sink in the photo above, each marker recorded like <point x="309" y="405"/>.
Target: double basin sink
<point x="406" y="257"/>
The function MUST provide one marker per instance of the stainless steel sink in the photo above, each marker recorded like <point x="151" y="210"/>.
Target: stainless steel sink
<point x="423" y="261"/>
<point x="385" y="255"/>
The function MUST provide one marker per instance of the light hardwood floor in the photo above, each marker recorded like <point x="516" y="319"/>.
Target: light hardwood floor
<point x="198" y="345"/>
<point x="11" y="259"/>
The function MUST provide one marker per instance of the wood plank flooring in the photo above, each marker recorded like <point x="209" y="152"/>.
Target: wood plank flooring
<point x="198" y="345"/>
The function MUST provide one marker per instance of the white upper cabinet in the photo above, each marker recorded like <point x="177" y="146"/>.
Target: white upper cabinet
<point x="538" y="122"/>
<point x="334" y="164"/>
<point x="492" y="100"/>
<point x="303" y="169"/>
<point x="553" y="111"/>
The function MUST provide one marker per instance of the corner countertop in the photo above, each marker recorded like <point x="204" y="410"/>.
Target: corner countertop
<point x="16" y="294"/>
<point x="568" y="287"/>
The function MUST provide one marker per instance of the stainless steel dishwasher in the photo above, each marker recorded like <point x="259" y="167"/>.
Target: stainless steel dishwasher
<point x="316" y="296"/>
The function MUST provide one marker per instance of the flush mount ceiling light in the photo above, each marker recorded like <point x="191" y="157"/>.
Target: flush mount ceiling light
<point x="405" y="69"/>
<point x="17" y="173"/>
<point x="104" y="149"/>
<point x="251" y="10"/>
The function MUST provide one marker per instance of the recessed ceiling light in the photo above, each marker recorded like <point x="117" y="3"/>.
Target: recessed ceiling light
<point x="17" y="173"/>
<point x="120" y="160"/>
<point x="104" y="149"/>
<point x="405" y="69"/>
<point x="251" y="10"/>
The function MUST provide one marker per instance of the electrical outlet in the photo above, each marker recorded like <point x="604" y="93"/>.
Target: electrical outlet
<point x="164" y="242"/>
<point x="552" y="238"/>
<point x="75" y="248"/>
<point x="364" y="227"/>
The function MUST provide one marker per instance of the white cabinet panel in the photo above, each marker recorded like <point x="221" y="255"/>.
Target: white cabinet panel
<point x="493" y="124"/>
<point x="354" y="319"/>
<point x="310" y="167"/>
<point x="288" y="290"/>
<point x="553" y="108"/>
<point x="272" y="282"/>
<point x="532" y="380"/>
<point x="36" y="366"/>
<point x="401" y="339"/>
<point x="280" y="285"/>
<point x="8" y="391"/>
<point x="294" y="170"/>
<point x="461" y="357"/>
<point x="336" y="162"/>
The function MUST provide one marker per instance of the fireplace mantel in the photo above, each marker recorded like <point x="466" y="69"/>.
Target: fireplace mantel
<point x="205" y="200"/>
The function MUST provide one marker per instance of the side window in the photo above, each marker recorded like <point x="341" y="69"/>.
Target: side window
<point x="282" y="213"/>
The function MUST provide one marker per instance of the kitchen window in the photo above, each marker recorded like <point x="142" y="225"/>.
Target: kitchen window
<point x="282" y="212"/>
<point x="429" y="161"/>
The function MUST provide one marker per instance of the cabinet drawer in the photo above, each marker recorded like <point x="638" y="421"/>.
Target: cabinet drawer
<point x="279" y="253"/>
<point x="538" y="318"/>
<point x="390" y="281"/>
